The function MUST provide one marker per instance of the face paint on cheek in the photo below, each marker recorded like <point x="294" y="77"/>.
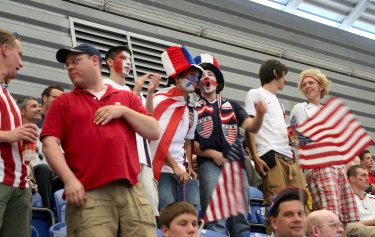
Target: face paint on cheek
<point x="208" y="85"/>
<point x="119" y="63"/>
<point x="122" y="63"/>
<point x="187" y="83"/>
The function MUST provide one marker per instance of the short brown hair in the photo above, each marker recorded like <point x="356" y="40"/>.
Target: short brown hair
<point x="363" y="153"/>
<point x="7" y="37"/>
<point x="112" y="53"/>
<point x="47" y="91"/>
<point x="175" y="209"/>
<point x="266" y="71"/>
<point x="352" y="171"/>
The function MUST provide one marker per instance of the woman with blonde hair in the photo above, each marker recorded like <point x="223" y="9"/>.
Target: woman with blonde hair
<point x="329" y="186"/>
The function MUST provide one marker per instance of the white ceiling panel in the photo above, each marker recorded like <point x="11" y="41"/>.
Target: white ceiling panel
<point x="356" y="16"/>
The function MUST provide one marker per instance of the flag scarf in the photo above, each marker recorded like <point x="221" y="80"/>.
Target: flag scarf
<point x="333" y="136"/>
<point x="169" y="107"/>
<point x="228" y="198"/>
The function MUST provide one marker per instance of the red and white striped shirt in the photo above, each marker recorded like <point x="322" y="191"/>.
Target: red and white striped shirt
<point x="13" y="170"/>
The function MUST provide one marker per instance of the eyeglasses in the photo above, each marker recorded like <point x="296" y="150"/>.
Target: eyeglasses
<point x="334" y="225"/>
<point x="74" y="61"/>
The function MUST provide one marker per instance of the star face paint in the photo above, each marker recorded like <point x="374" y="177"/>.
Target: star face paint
<point x="122" y="63"/>
<point x="189" y="80"/>
<point x="208" y="83"/>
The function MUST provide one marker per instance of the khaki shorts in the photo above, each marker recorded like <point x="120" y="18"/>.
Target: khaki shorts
<point x="284" y="174"/>
<point x="114" y="209"/>
<point x="359" y="230"/>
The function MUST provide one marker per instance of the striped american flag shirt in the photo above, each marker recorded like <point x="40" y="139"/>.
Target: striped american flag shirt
<point x="13" y="170"/>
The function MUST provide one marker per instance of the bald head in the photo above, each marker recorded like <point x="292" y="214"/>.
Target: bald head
<point x="324" y="223"/>
<point x="315" y="218"/>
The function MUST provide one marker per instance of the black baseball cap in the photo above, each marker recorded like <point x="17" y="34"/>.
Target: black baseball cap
<point x="82" y="49"/>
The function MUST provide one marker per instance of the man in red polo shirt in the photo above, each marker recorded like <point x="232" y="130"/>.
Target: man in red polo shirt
<point x="95" y="124"/>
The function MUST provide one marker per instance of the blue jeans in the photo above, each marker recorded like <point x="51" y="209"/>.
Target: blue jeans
<point x="170" y="191"/>
<point x="209" y="174"/>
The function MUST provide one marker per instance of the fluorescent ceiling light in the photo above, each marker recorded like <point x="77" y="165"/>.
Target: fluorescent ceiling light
<point x="363" y="74"/>
<point x="127" y="10"/>
<point x="92" y="3"/>
<point x="249" y="43"/>
<point x="318" y="62"/>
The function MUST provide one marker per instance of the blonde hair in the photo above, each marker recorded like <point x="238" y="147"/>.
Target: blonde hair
<point x="317" y="75"/>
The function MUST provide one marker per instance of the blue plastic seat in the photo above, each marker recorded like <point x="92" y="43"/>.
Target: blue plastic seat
<point x="261" y="216"/>
<point x="254" y="193"/>
<point x="36" y="200"/>
<point x="59" y="205"/>
<point x="254" y="234"/>
<point x="158" y="233"/>
<point x="58" y="230"/>
<point x="256" y="203"/>
<point x="42" y="220"/>
<point x="210" y="233"/>
<point x="256" y="216"/>
<point x="34" y="232"/>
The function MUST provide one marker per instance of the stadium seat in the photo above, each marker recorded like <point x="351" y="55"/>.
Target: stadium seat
<point x="256" y="215"/>
<point x="261" y="216"/>
<point x="159" y="233"/>
<point x="42" y="220"/>
<point x="210" y="233"/>
<point x="58" y="230"/>
<point x="36" y="200"/>
<point x="254" y="234"/>
<point x="256" y="203"/>
<point x="255" y="193"/>
<point x="34" y="232"/>
<point x="59" y="205"/>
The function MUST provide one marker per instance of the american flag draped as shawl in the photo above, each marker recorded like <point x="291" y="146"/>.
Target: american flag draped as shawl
<point x="169" y="107"/>
<point x="228" y="198"/>
<point x="332" y="136"/>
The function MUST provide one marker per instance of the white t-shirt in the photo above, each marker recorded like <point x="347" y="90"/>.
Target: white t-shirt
<point x="366" y="207"/>
<point x="143" y="147"/>
<point x="273" y="135"/>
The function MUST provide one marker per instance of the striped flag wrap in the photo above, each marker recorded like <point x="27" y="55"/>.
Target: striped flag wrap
<point x="333" y="136"/>
<point x="169" y="107"/>
<point x="228" y="198"/>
